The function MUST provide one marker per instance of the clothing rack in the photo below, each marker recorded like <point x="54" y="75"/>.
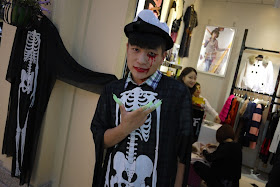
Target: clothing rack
<point x="243" y="89"/>
<point x="244" y="47"/>
<point x="273" y="96"/>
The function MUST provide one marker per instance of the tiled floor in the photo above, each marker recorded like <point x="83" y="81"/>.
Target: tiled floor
<point x="249" y="182"/>
<point x="249" y="179"/>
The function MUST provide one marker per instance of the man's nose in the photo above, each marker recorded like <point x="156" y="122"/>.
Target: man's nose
<point x="142" y="59"/>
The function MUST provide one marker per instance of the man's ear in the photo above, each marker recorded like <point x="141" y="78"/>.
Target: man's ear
<point x="164" y="55"/>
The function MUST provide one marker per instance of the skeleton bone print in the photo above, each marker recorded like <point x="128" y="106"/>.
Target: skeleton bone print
<point x="129" y="166"/>
<point x="26" y="92"/>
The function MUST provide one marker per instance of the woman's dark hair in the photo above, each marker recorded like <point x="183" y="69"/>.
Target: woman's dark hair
<point x="186" y="71"/>
<point x="224" y="132"/>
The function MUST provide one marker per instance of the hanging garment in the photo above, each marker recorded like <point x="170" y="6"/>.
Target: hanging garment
<point x="147" y="156"/>
<point x="245" y="121"/>
<point x="251" y="128"/>
<point x="241" y="102"/>
<point x="275" y="140"/>
<point x="232" y="113"/>
<point x="190" y="20"/>
<point x="224" y="112"/>
<point x="175" y="28"/>
<point x="239" y="120"/>
<point x="172" y="16"/>
<point x="257" y="76"/>
<point x="175" y="18"/>
<point x="255" y="126"/>
<point x="264" y="152"/>
<point x="37" y="59"/>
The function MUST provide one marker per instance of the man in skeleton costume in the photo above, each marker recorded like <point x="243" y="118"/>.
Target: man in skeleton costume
<point x="37" y="59"/>
<point x="147" y="143"/>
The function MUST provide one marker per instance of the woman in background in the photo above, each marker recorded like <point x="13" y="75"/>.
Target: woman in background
<point x="225" y="162"/>
<point x="188" y="77"/>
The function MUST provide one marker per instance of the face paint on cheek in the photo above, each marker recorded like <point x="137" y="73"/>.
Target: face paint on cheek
<point x="151" y="59"/>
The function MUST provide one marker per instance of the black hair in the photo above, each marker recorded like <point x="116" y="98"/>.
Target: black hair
<point x="186" y="71"/>
<point x="194" y="88"/>
<point x="224" y="132"/>
<point x="147" y="41"/>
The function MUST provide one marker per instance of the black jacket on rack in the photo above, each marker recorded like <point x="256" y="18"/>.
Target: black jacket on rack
<point x="190" y="20"/>
<point x="273" y="177"/>
<point x="264" y="152"/>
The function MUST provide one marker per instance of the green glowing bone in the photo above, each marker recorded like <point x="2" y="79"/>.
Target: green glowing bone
<point x="117" y="100"/>
<point x="147" y="105"/>
<point x="156" y="105"/>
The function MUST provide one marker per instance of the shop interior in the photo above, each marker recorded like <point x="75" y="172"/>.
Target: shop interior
<point x="255" y="165"/>
<point x="248" y="29"/>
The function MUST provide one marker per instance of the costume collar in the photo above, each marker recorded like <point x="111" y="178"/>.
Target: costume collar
<point x="152" y="81"/>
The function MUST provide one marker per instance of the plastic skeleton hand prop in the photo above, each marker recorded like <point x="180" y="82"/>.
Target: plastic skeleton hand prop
<point x="149" y="105"/>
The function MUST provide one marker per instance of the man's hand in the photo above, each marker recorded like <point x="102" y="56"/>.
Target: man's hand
<point x="129" y="122"/>
<point x="217" y="119"/>
<point x="134" y="119"/>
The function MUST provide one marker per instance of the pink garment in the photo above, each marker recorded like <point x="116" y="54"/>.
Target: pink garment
<point x="224" y="112"/>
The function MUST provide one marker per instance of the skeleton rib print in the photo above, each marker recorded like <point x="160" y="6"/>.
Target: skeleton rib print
<point x="129" y="167"/>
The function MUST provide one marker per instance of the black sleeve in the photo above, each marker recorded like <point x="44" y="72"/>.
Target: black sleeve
<point x="16" y="57"/>
<point x="101" y="121"/>
<point x="185" y="135"/>
<point x="67" y="69"/>
<point x="219" y="154"/>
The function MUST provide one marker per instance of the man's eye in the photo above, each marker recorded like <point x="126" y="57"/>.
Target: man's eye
<point x="135" y="49"/>
<point x="151" y="54"/>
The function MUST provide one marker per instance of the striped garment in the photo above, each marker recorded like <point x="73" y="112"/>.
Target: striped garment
<point x="255" y="126"/>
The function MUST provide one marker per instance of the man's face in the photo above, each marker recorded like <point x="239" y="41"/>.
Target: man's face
<point x="143" y="62"/>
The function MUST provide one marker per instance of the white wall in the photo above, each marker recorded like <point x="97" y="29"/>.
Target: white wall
<point x="5" y="50"/>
